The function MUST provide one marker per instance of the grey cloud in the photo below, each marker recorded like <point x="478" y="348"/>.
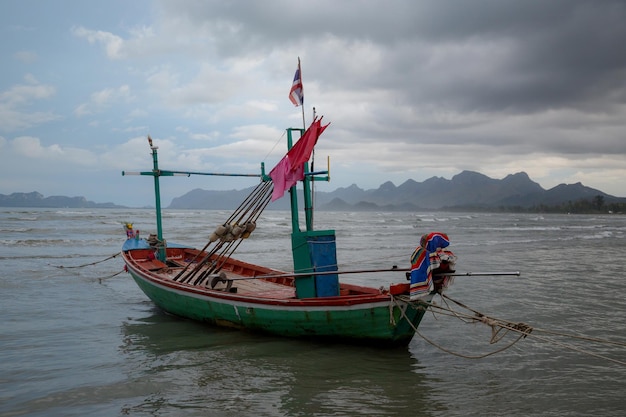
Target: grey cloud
<point x="472" y="55"/>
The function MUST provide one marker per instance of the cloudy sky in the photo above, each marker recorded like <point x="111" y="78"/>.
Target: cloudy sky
<point x="413" y="89"/>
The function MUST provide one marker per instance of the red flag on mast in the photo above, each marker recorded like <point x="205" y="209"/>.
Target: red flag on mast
<point x="296" y="95"/>
<point x="290" y="169"/>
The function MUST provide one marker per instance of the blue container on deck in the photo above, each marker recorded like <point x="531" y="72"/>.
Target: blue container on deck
<point x="315" y="251"/>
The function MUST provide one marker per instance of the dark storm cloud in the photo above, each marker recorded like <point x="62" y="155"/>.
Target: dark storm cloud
<point x="472" y="55"/>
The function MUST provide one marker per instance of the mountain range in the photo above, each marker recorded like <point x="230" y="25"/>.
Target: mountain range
<point x="35" y="199"/>
<point x="467" y="190"/>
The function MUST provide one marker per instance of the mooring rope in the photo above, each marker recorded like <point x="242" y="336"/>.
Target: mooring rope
<point x="461" y="355"/>
<point x="100" y="279"/>
<point x="498" y="325"/>
<point x="516" y="327"/>
<point x="89" y="264"/>
<point x="585" y="338"/>
<point x="579" y="350"/>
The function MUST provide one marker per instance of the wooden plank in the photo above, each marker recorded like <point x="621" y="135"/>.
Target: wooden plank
<point x="264" y="289"/>
<point x="151" y="264"/>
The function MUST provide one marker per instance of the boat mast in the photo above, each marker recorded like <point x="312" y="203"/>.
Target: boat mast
<point x="293" y="194"/>
<point x="156" y="173"/>
<point x="312" y="250"/>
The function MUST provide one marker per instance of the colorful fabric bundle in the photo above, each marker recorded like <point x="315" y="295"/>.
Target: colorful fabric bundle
<point x="428" y="257"/>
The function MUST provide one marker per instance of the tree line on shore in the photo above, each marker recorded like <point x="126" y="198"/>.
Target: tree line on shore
<point x="596" y="205"/>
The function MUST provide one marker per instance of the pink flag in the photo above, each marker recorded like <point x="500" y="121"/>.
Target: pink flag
<point x="284" y="177"/>
<point x="301" y="151"/>
<point x="290" y="169"/>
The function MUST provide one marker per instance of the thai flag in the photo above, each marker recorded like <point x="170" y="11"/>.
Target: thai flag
<point x="296" y="95"/>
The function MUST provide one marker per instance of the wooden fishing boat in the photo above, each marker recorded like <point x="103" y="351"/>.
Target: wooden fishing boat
<point x="209" y="285"/>
<point x="271" y="305"/>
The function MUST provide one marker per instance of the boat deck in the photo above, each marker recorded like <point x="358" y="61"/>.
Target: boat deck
<point x="262" y="288"/>
<point x="241" y="274"/>
<point x="238" y="277"/>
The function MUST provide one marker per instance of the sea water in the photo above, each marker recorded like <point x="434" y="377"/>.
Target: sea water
<point x="78" y="338"/>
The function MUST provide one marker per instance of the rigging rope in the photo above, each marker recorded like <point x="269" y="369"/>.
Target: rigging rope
<point x="227" y="237"/>
<point x="275" y="144"/>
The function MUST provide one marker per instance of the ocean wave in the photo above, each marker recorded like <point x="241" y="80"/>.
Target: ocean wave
<point x="16" y="230"/>
<point x="21" y="218"/>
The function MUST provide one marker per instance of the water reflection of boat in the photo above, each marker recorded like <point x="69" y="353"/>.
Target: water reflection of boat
<point x="222" y="369"/>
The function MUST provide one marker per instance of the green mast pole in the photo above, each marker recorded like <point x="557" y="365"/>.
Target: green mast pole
<point x="295" y="223"/>
<point x="308" y="202"/>
<point x="156" y="173"/>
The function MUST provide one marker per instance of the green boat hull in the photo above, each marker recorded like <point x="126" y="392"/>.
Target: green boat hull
<point x="383" y="323"/>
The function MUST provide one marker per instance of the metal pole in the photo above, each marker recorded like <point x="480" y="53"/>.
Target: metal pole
<point x="157" y="200"/>
<point x="293" y="193"/>
<point x="370" y="271"/>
